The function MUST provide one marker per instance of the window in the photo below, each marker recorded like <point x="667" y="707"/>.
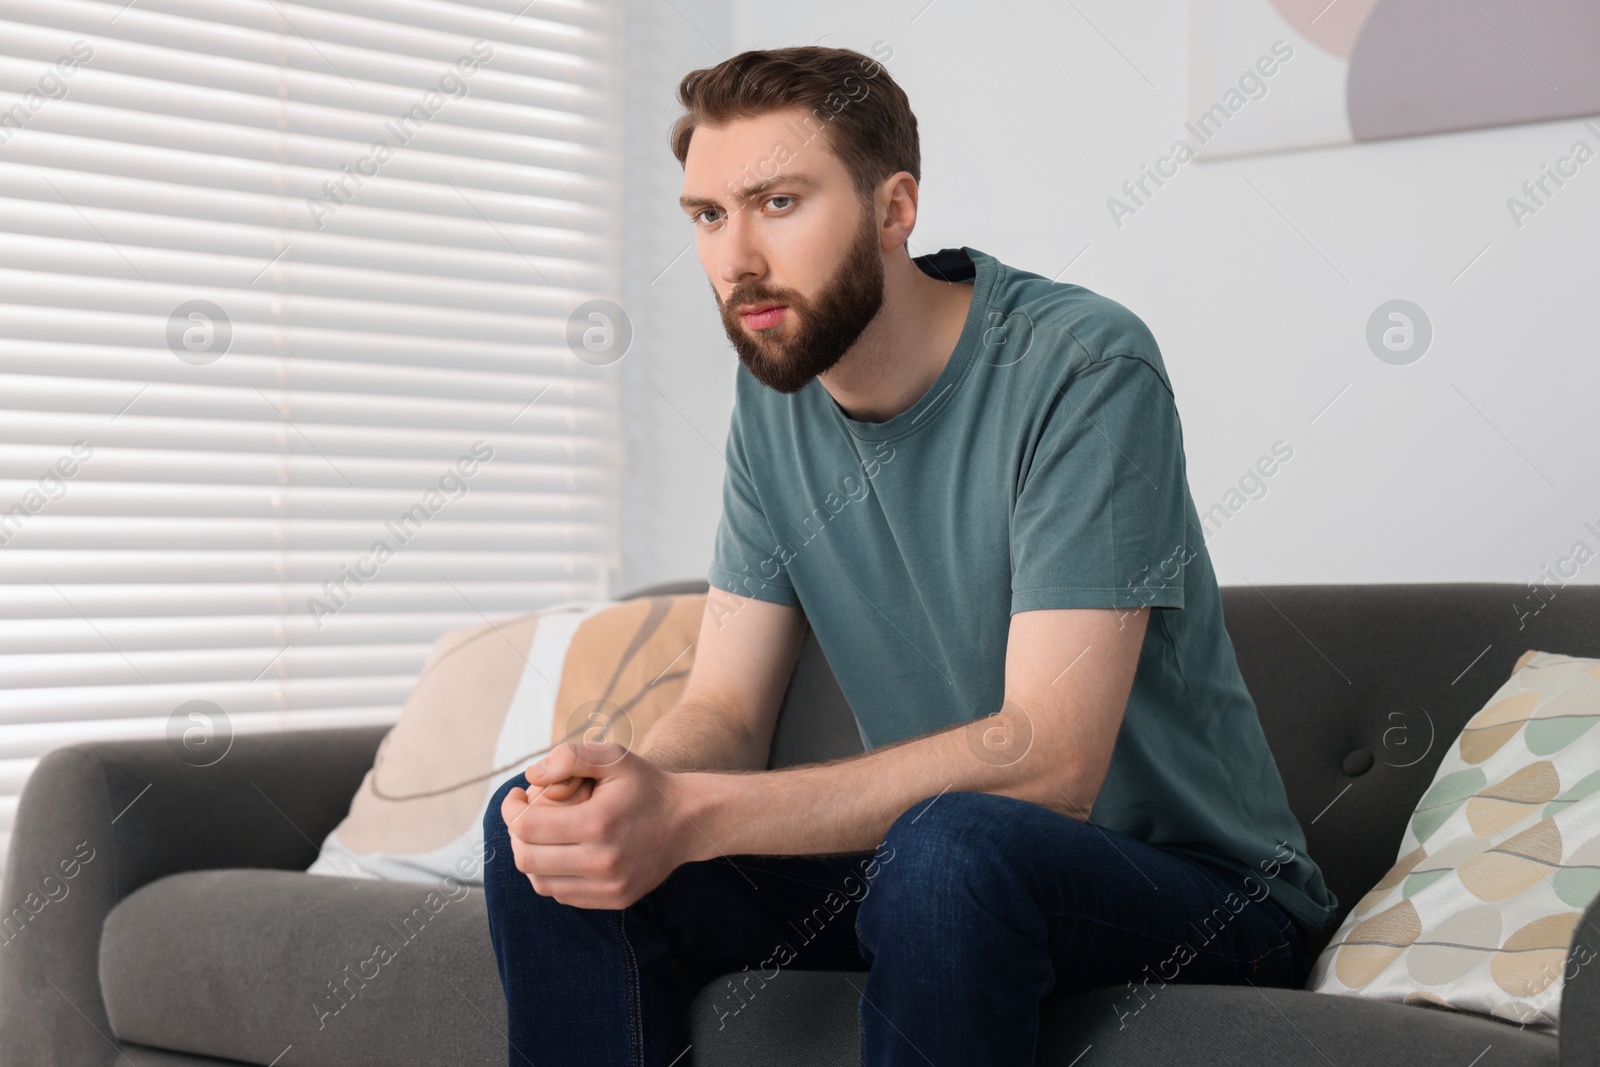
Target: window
<point x="294" y="299"/>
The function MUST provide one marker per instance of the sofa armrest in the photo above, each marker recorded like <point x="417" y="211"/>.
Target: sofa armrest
<point x="1580" y="994"/>
<point x="99" y="820"/>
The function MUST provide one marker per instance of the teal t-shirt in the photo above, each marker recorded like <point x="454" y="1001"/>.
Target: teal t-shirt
<point x="1044" y="468"/>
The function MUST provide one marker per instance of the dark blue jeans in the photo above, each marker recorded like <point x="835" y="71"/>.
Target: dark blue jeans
<point x="974" y="909"/>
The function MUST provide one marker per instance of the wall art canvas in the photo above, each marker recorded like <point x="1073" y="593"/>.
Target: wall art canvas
<point x="1267" y="75"/>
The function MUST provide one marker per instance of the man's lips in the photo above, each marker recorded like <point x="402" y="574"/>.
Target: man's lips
<point x="763" y="316"/>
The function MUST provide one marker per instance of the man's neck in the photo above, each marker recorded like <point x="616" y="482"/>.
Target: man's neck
<point x="905" y="348"/>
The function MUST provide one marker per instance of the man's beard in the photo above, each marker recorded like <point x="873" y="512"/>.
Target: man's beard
<point x="814" y="335"/>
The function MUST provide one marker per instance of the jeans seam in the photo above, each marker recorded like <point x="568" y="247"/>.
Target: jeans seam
<point x="635" y="1035"/>
<point x="1286" y="925"/>
<point x="1277" y="950"/>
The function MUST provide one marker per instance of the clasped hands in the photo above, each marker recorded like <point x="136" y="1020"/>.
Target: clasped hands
<point x="599" y="826"/>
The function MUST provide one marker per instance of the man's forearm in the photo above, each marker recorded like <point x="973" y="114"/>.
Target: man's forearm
<point x="849" y="805"/>
<point x="699" y="737"/>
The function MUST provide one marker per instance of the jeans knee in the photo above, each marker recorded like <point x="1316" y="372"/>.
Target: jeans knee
<point x="954" y="825"/>
<point x="496" y="838"/>
<point x="962" y="853"/>
<point x="949" y="852"/>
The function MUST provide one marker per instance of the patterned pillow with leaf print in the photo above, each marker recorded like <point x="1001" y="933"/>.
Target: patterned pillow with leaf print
<point x="1497" y="865"/>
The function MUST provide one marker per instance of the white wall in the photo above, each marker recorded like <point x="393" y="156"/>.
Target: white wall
<point x="1257" y="274"/>
<point x="677" y="379"/>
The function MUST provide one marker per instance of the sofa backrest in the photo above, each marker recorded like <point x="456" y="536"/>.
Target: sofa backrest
<point x="1361" y="690"/>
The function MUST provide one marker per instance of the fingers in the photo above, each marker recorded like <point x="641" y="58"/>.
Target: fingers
<point x="567" y="822"/>
<point x="555" y="861"/>
<point x="577" y="759"/>
<point x="566" y="791"/>
<point x="556" y="792"/>
<point x="514" y="804"/>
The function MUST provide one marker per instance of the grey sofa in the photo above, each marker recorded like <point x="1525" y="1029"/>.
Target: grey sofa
<point x="194" y="937"/>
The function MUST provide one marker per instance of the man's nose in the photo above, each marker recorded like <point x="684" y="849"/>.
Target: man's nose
<point x="739" y="252"/>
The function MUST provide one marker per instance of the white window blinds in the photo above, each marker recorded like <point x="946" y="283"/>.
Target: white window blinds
<point x="289" y="377"/>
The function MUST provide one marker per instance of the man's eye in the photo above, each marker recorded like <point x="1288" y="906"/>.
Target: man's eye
<point x="697" y="216"/>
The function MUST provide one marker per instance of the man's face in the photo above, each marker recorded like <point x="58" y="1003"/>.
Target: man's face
<point x="804" y="242"/>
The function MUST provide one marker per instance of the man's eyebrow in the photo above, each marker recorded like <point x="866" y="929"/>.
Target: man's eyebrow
<point x="798" y="181"/>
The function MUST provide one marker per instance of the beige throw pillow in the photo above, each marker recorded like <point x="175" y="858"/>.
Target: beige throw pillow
<point x="489" y="701"/>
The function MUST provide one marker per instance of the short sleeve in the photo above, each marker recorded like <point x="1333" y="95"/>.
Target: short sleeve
<point x="744" y="558"/>
<point x="1100" y="518"/>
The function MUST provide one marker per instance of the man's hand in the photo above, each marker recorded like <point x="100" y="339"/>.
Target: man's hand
<point x="603" y="828"/>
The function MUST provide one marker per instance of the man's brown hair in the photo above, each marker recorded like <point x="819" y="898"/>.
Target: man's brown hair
<point x="851" y="97"/>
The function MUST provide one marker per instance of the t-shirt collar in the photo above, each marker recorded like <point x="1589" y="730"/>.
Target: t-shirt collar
<point x="938" y="395"/>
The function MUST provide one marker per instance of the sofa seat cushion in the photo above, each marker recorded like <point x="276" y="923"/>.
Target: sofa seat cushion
<point x="254" y="965"/>
<point x="251" y="965"/>
<point x="808" y="1019"/>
